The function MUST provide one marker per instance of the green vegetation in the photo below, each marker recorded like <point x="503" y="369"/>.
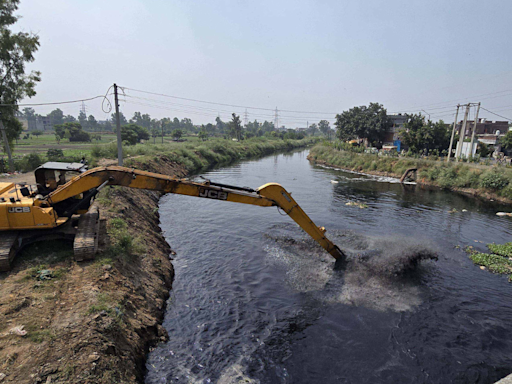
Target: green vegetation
<point x="421" y="136"/>
<point x="441" y="174"/>
<point x="132" y="134"/>
<point x="122" y="242"/>
<point x="193" y="152"/>
<point x="16" y="49"/>
<point x="370" y="122"/>
<point x="499" y="261"/>
<point x="38" y="336"/>
<point x="506" y="141"/>
<point x="495" y="263"/>
<point x="71" y="131"/>
<point x="105" y="303"/>
<point x="504" y="250"/>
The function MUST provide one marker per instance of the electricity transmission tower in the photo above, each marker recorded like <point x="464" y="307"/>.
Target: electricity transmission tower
<point x="276" y="119"/>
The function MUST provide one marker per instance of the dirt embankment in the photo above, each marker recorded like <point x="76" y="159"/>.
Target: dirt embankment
<point x="93" y="322"/>
<point x="477" y="193"/>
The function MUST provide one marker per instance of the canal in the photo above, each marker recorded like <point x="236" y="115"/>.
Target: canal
<point x="255" y="301"/>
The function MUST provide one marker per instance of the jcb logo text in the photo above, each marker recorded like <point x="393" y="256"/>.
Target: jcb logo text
<point x="19" y="209"/>
<point x="212" y="194"/>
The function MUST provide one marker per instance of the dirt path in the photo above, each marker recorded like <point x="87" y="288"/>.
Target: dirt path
<point x="22" y="178"/>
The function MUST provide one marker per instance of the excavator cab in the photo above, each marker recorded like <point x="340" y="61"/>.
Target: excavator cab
<point x="51" y="175"/>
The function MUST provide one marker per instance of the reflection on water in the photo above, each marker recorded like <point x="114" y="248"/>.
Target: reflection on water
<point x="255" y="300"/>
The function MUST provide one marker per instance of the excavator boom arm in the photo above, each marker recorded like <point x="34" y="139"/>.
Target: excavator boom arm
<point x="271" y="194"/>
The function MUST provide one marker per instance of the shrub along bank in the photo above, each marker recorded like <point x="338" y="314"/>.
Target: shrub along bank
<point x="200" y="155"/>
<point x="194" y="155"/>
<point x="486" y="182"/>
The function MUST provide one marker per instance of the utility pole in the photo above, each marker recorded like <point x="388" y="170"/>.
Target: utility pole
<point x="453" y="134"/>
<point x="246" y="120"/>
<point x="474" y="129"/>
<point x="462" y="133"/>
<point x="118" y="126"/>
<point x="6" y="143"/>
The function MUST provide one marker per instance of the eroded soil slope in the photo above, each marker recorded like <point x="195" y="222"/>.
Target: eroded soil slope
<point x="93" y="322"/>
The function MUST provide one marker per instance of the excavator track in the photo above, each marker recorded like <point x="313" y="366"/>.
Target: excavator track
<point x="8" y="248"/>
<point x="86" y="239"/>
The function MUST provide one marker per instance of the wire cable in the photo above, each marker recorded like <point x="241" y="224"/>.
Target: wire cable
<point x="509" y="119"/>
<point x="55" y="103"/>
<point x="226" y="105"/>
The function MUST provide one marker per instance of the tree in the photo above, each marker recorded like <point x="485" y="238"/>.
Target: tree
<point x="370" y="123"/>
<point x="37" y="132"/>
<point x="92" y="124"/>
<point x="128" y="135"/>
<point x="133" y="133"/>
<point x="16" y="49"/>
<point x="235" y="127"/>
<point x="312" y="129"/>
<point x="154" y="133"/>
<point x="141" y="120"/>
<point x="420" y="135"/>
<point x="177" y="133"/>
<point x="56" y="117"/>
<point x="82" y="119"/>
<point x="122" y="119"/>
<point x="506" y="141"/>
<point x="69" y="119"/>
<point x="210" y="128"/>
<point x="107" y="126"/>
<point x="203" y="134"/>
<point x="30" y="115"/>
<point x="186" y="124"/>
<point x="220" y="125"/>
<point x="267" y="126"/>
<point x="54" y="154"/>
<point x="166" y="125"/>
<point x="71" y="131"/>
<point x="324" y="127"/>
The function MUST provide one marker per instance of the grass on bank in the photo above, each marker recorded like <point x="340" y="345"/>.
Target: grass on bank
<point x="194" y="154"/>
<point x="439" y="173"/>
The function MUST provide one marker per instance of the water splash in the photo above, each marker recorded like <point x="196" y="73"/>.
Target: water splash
<point x="377" y="273"/>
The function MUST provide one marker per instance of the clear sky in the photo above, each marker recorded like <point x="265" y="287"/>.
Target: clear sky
<point x="304" y="56"/>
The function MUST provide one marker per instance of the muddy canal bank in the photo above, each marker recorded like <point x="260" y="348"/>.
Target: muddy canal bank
<point x="91" y="322"/>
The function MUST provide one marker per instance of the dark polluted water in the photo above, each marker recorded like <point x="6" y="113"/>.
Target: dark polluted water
<point x="256" y="301"/>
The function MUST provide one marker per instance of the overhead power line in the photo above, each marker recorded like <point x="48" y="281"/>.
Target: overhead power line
<point x="54" y="103"/>
<point x="225" y="105"/>
<point x="508" y="118"/>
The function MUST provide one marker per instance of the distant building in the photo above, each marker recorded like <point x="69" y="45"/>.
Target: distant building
<point x="487" y="131"/>
<point x="391" y="139"/>
<point x="485" y="127"/>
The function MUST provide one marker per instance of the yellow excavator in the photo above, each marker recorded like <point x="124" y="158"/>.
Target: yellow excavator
<point x="59" y="205"/>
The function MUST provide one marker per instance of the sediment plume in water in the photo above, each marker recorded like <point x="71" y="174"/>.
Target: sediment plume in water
<point x="375" y="274"/>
